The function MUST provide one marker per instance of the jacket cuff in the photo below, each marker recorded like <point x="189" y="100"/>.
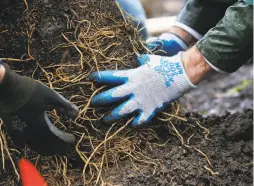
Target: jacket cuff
<point x="188" y="29"/>
<point x="214" y="67"/>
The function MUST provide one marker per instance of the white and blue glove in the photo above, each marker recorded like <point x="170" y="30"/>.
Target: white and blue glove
<point x="169" y="43"/>
<point x="147" y="89"/>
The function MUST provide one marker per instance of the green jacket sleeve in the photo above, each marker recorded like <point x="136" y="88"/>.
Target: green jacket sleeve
<point x="229" y="44"/>
<point x="202" y="15"/>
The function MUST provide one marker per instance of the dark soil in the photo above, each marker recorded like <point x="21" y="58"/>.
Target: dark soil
<point x="229" y="149"/>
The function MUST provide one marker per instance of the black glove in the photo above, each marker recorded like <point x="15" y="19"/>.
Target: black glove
<point x="23" y="104"/>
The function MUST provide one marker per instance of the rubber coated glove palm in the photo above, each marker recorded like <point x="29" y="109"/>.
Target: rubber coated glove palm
<point x="148" y="88"/>
<point x="169" y="44"/>
<point x="23" y="105"/>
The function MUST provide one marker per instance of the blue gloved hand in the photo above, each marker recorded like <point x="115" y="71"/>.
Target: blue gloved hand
<point x="148" y="88"/>
<point x="169" y="44"/>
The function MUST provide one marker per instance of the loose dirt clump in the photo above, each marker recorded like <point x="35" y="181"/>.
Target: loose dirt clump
<point x="60" y="43"/>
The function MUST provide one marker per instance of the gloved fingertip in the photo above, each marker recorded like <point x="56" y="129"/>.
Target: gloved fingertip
<point x="107" y="77"/>
<point x="107" y="119"/>
<point x="136" y="123"/>
<point x="61" y="104"/>
<point x="73" y="112"/>
<point x="96" y="100"/>
<point x="104" y="98"/>
<point x="99" y="100"/>
<point x="93" y="76"/>
<point x="141" y="120"/>
<point x="114" y="115"/>
<point x="111" y="118"/>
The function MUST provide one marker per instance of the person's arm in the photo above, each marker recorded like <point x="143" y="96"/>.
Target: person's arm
<point x="229" y="44"/>
<point x="226" y="46"/>
<point x="194" y="20"/>
<point x="198" y="16"/>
